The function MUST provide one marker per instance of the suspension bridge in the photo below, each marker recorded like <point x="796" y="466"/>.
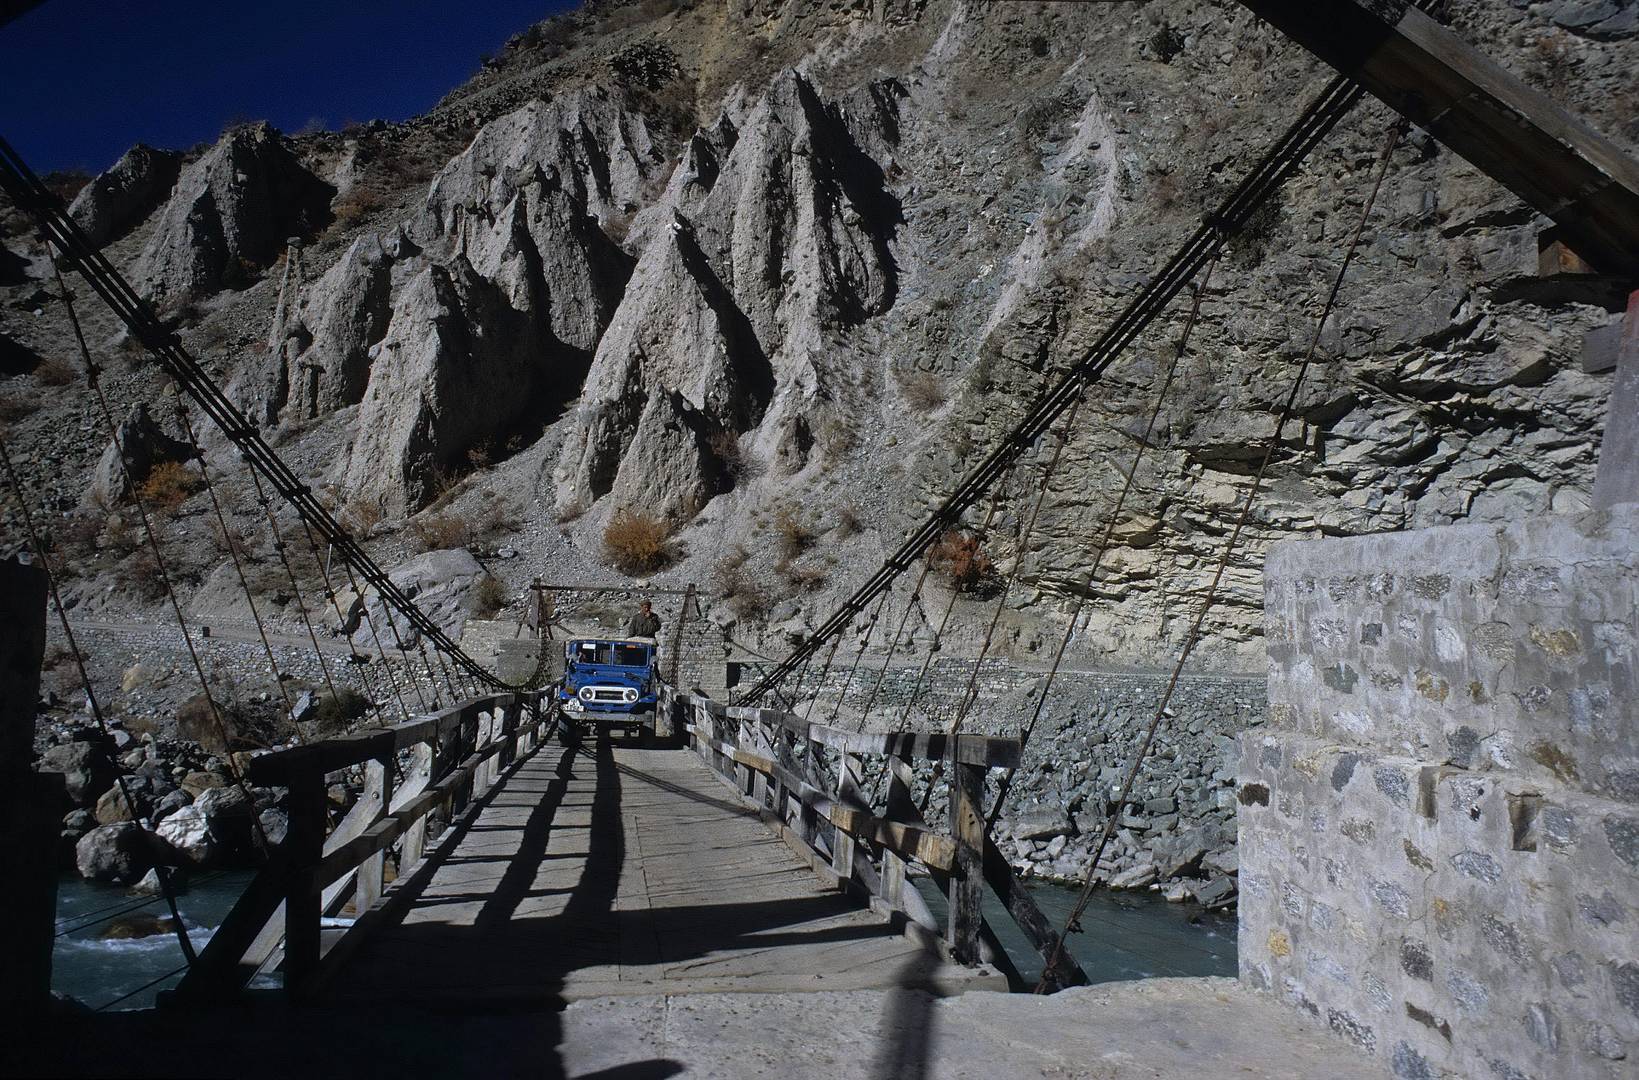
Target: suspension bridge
<point x="761" y="849"/>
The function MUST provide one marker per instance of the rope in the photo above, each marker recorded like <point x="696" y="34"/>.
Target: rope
<point x="893" y="646"/>
<point x="341" y="619"/>
<point x="39" y="549"/>
<point x="1396" y="130"/>
<point x="92" y="381"/>
<point x="233" y="553"/>
<point x="149" y="985"/>
<point x="1109" y="534"/>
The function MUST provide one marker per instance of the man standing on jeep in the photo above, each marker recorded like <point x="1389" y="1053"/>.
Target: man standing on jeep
<point x="645" y="623"/>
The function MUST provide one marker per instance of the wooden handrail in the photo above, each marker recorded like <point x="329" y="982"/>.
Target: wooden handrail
<point x="776" y="761"/>
<point x="456" y="754"/>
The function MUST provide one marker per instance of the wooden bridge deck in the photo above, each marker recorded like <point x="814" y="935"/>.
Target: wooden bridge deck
<point x="604" y="871"/>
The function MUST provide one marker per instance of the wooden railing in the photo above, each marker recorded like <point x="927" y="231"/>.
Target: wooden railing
<point x="807" y="780"/>
<point x="441" y="761"/>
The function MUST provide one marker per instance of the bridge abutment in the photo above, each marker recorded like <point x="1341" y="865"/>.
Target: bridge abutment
<point x="1439" y="826"/>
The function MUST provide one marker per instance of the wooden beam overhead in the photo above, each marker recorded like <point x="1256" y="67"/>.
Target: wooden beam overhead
<point x="1516" y="135"/>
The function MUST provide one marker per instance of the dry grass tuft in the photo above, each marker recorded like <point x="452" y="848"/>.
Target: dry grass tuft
<point x="438" y="532"/>
<point x="791" y="534"/>
<point x="167" y="486"/>
<point x="492" y="596"/>
<point x="637" y="543"/>
<point x="922" y="390"/>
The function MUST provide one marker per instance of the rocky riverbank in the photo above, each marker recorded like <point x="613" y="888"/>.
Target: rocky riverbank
<point x="1175" y="831"/>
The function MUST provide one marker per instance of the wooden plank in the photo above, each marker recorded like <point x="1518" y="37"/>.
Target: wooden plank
<point x="220" y="968"/>
<point x="378" y="785"/>
<point x="967" y="791"/>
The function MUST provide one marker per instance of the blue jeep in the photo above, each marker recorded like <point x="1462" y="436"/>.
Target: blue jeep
<point x="610" y="683"/>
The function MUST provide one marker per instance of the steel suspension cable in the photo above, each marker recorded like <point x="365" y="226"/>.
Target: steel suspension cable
<point x="94" y="383"/>
<point x="233" y="553"/>
<point x="1025" y="534"/>
<point x="281" y="549"/>
<point x="1192" y="638"/>
<point x="1105" y="540"/>
<point x="864" y="643"/>
<point x="364" y="607"/>
<point x="144" y="821"/>
<point x="32" y="196"/>
<point x="1273" y="169"/>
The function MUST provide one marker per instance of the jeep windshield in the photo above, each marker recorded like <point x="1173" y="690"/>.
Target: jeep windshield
<point x="611" y="654"/>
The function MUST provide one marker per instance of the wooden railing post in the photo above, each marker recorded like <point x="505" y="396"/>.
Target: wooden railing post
<point x="418" y="774"/>
<point x="305" y="844"/>
<point x="967" y="826"/>
<point x="378" y="787"/>
<point x="901" y="807"/>
<point x="842" y="845"/>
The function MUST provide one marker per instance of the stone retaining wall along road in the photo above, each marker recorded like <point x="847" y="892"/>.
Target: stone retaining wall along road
<point x="1439" y="836"/>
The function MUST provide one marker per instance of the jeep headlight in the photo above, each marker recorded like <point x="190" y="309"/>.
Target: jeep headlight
<point x="586" y="693"/>
<point x="629" y="695"/>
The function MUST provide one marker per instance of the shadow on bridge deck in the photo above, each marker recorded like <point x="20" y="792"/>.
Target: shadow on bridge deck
<point x="593" y="872"/>
<point x="589" y="873"/>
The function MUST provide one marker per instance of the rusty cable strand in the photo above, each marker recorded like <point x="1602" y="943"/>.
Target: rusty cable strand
<point x="238" y="566"/>
<point x="819" y="684"/>
<point x="1025" y="532"/>
<point x="450" y="684"/>
<point x="933" y="646"/>
<point x="1005" y="787"/>
<point x="863" y="644"/>
<point x="144" y="821"/>
<point x="91" y="373"/>
<point x="1072" y="925"/>
<point x="295" y="585"/>
<point x="364" y="607"/>
<point x="893" y="646"/>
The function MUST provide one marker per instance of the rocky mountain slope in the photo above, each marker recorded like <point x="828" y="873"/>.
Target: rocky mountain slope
<point x="774" y="273"/>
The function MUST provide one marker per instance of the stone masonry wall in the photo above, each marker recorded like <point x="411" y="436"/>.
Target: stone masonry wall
<point x="1439" y="836"/>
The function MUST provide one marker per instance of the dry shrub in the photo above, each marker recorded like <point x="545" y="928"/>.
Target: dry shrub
<point x="637" y="543"/>
<point x="837" y="438"/>
<point x="491" y="597"/>
<point x="54" y="372"/>
<point x="362" y="515"/>
<point x="962" y="559"/>
<point x="144" y="576"/>
<point x="744" y="595"/>
<point x="801" y="578"/>
<point x="497" y="519"/>
<point x="740" y="466"/>
<point x="77" y="535"/>
<point x="922" y="390"/>
<point x="335" y="711"/>
<point x="791" y="534"/>
<point x="355" y="206"/>
<point x="437" y="532"/>
<point x="15" y="407"/>
<point x="167" y="486"/>
<point x="848" y="520"/>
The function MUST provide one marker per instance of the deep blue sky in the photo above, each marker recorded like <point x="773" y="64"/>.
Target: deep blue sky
<point x="84" y="79"/>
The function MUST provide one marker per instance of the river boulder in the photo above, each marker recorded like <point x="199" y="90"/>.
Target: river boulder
<point x="121" y="852"/>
